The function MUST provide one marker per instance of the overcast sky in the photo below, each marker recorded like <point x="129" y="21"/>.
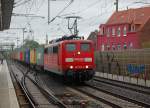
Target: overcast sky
<point x="92" y="13"/>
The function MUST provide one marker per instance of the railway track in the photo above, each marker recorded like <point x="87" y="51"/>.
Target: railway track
<point x="110" y="101"/>
<point x="105" y="98"/>
<point x="99" y="91"/>
<point x="137" y="88"/>
<point x="121" y="92"/>
<point x="23" y="99"/>
<point x="70" y="99"/>
<point x="67" y="96"/>
<point x="39" y="96"/>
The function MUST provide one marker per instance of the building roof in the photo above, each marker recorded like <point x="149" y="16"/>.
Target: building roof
<point x="135" y="16"/>
<point x="93" y="35"/>
<point x="6" y="7"/>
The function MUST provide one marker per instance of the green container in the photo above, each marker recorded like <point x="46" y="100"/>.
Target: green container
<point x="40" y="56"/>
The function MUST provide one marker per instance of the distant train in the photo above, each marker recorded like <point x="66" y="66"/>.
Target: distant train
<point x="69" y="58"/>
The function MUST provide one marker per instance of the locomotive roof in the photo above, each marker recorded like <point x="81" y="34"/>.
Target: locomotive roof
<point x="67" y="41"/>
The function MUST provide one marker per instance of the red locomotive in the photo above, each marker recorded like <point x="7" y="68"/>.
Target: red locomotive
<point x="72" y="59"/>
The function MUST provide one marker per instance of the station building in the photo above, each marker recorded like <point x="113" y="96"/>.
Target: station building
<point x="125" y="29"/>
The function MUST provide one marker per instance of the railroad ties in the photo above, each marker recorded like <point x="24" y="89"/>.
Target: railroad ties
<point x="44" y="90"/>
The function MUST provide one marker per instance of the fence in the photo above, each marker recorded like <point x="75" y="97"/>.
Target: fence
<point x="133" y="63"/>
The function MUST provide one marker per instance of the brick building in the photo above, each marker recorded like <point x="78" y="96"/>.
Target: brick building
<point x="125" y="29"/>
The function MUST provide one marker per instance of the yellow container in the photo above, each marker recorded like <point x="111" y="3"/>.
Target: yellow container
<point x="32" y="56"/>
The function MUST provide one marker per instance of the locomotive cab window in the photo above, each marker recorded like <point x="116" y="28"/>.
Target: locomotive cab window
<point x="85" y="47"/>
<point x="70" y="47"/>
<point x="55" y="49"/>
<point x="50" y="50"/>
<point x="46" y="50"/>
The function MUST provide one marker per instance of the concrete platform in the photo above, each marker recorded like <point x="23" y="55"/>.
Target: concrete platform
<point x="8" y="97"/>
<point x="124" y="78"/>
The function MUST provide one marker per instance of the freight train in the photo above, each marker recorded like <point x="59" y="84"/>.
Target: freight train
<point x="72" y="59"/>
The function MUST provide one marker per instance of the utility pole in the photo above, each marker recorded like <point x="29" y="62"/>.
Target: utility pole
<point x="48" y="11"/>
<point x="17" y="41"/>
<point x="23" y="35"/>
<point x="58" y="15"/>
<point x="116" y="3"/>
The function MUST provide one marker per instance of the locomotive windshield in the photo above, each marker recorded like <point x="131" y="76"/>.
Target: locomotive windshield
<point x="70" y="47"/>
<point x="85" y="47"/>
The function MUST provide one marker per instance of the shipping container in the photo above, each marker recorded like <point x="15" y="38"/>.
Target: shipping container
<point x="40" y="56"/>
<point x="23" y="56"/>
<point x="20" y="55"/>
<point x="16" y="55"/>
<point x="32" y="57"/>
<point x="27" y="56"/>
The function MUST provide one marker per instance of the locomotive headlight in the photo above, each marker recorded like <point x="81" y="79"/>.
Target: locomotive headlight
<point x="86" y="67"/>
<point x="69" y="60"/>
<point x="88" y="59"/>
<point x="71" y="67"/>
<point x="78" y="53"/>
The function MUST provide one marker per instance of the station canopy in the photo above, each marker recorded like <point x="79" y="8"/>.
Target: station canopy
<point x="6" y="7"/>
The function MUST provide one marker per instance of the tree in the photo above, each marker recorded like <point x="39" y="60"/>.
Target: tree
<point x="30" y="44"/>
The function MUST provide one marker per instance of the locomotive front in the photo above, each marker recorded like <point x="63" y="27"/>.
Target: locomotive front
<point x="78" y="60"/>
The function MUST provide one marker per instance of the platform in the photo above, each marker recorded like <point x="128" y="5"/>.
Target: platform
<point x="8" y="97"/>
<point x="127" y="79"/>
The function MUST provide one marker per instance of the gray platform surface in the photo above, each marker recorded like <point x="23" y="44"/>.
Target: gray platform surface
<point x="8" y="97"/>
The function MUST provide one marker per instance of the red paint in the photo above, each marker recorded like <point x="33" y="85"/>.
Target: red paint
<point x="56" y="62"/>
<point x="78" y="58"/>
<point x="131" y="37"/>
<point x="21" y="56"/>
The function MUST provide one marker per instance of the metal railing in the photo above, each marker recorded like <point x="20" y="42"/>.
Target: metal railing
<point x="133" y="63"/>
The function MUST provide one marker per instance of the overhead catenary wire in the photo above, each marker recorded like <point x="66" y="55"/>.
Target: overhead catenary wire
<point x="18" y="1"/>
<point x="87" y="8"/>
<point x="107" y="10"/>
<point x="19" y="4"/>
<point x="61" y="11"/>
<point x="95" y="18"/>
<point x="83" y="10"/>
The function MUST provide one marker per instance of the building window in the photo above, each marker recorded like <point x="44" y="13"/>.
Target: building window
<point x="132" y="28"/>
<point x="113" y="47"/>
<point x="125" y="31"/>
<point x="108" y="47"/>
<point x="102" y="47"/>
<point x="108" y="32"/>
<point x="101" y="31"/>
<point x="118" y="46"/>
<point x="125" y="46"/>
<point x="113" y="31"/>
<point x="130" y="45"/>
<point x="118" y="31"/>
<point x="129" y="28"/>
